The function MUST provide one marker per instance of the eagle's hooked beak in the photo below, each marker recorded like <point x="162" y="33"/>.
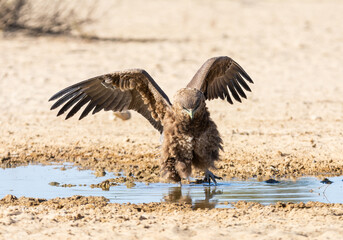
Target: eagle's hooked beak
<point x="191" y="113"/>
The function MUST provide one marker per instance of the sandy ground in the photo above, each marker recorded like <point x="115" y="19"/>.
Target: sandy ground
<point x="93" y="218"/>
<point x="290" y="126"/>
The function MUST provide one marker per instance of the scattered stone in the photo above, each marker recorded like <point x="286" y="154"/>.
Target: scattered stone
<point x="326" y="181"/>
<point x="55" y="184"/>
<point x="272" y="181"/>
<point x="130" y="184"/>
<point x="105" y="185"/>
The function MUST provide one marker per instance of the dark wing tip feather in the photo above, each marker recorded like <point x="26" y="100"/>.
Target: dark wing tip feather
<point x="243" y="73"/>
<point x="70" y="103"/>
<point x="86" y="111"/>
<point x="221" y="77"/>
<point x="77" y="106"/>
<point x="242" y="82"/>
<point x="67" y="89"/>
<point x="60" y="93"/>
<point x="65" y="98"/>
<point x="228" y="99"/>
<point x="239" y="89"/>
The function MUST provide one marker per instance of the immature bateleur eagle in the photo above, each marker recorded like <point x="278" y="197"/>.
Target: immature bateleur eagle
<point x="190" y="137"/>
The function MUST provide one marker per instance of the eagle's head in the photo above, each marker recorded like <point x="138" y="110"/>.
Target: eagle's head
<point x="189" y="103"/>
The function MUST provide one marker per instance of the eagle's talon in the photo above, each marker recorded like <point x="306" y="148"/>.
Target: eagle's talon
<point x="210" y="176"/>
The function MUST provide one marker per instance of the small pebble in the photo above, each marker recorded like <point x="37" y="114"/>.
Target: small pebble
<point x="272" y="181"/>
<point x="326" y="181"/>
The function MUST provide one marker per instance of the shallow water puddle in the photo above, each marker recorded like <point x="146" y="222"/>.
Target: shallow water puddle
<point x="41" y="182"/>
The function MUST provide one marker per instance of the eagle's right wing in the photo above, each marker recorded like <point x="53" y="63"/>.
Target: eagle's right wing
<point x="123" y="90"/>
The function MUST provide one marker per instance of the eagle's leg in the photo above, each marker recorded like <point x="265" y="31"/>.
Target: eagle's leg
<point x="210" y="176"/>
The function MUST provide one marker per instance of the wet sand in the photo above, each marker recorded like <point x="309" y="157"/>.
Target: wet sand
<point x="291" y="125"/>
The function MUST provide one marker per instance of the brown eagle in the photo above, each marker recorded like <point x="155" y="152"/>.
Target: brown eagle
<point x="190" y="137"/>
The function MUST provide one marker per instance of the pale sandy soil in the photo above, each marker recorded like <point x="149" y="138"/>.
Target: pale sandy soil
<point x="93" y="218"/>
<point x="290" y="125"/>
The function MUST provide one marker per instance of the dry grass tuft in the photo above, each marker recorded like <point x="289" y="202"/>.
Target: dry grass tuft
<point x="45" y="17"/>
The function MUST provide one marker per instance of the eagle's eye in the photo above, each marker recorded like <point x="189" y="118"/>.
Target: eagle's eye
<point x="196" y="107"/>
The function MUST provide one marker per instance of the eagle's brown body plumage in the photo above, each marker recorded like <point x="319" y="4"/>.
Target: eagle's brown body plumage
<point x="190" y="137"/>
<point x="188" y="142"/>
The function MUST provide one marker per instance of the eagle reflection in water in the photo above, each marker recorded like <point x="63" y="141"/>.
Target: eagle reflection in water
<point x="175" y="196"/>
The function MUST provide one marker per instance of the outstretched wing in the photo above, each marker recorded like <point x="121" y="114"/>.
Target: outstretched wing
<point x="218" y="75"/>
<point x="123" y="90"/>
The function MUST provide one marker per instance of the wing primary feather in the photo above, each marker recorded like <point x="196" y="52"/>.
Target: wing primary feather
<point x="77" y="106"/>
<point x="70" y="103"/>
<point x="89" y="108"/>
<point x="216" y="89"/>
<point x="224" y="88"/>
<point x="77" y="85"/>
<point x="242" y="82"/>
<point x="93" y="103"/>
<point x="220" y="89"/>
<point x="233" y="91"/>
<point x="65" y="98"/>
<point x="221" y="95"/>
<point x="239" y="89"/>
<point x="243" y="73"/>
<point x="62" y="92"/>
<point x="228" y="98"/>
<point x="92" y="91"/>
<point x="101" y="102"/>
<point x="97" y="98"/>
